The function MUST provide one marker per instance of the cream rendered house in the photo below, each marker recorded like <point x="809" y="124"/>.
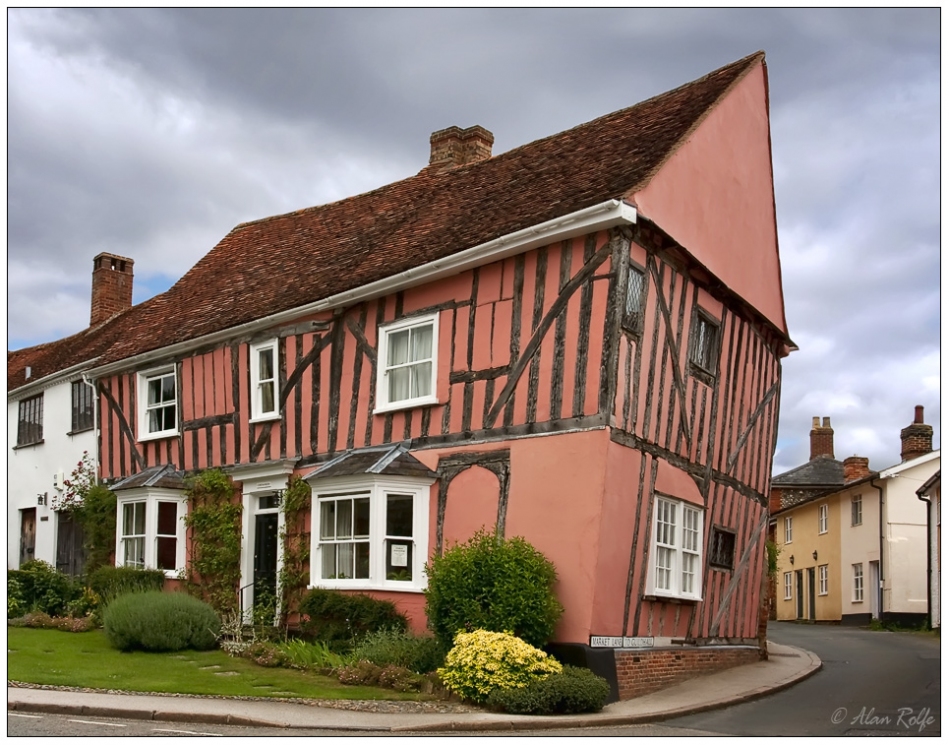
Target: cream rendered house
<point x="858" y="550"/>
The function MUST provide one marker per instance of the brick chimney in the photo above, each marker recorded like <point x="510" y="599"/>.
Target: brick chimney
<point x="111" y="287"/>
<point x="917" y="438"/>
<point x="855" y="468"/>
<point x="454" y="147"/>
<point x="822" y="439"/>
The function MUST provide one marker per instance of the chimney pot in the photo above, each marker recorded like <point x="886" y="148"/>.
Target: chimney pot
<point x="919" y="415"/>
<point x="112" y="278"/>
<point x="822" y="439"/>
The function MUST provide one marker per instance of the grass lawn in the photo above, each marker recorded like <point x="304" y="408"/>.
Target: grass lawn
<point x="85" y="660"/>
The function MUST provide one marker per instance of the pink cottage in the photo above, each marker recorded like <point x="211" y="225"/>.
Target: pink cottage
<point x="577" y="341"/>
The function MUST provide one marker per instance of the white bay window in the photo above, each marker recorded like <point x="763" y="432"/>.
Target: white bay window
<point x="371" y="532"/>
<point x="151" y="529"/>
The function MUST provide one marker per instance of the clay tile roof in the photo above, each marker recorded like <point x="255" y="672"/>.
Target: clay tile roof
<point x="278" y="263"/>
<point x="56" y="356"/>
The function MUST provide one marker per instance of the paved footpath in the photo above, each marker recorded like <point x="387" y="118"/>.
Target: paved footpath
<point x="786" y="666"/>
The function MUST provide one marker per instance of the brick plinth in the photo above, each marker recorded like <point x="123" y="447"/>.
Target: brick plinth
<point x="644" y="671"/>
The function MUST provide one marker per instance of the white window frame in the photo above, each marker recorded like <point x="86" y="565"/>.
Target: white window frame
<point x="788" y="529"/>
<point x="823" y="572"/>
<point x="822" y="519"/>
<point x="788" y="586"/>
<point x="856" y="510"/>
<point x="142" y="383"/>
<point x="377" y="489"/>
<point x="672" y="546"/>
<point x="256" y="399"/>
<point x="150" y="497"/>
<point x="383" y="404"/>
<point x="858" y="583"/>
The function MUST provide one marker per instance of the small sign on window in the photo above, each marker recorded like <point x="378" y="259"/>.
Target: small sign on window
<point x="399" y="555"/>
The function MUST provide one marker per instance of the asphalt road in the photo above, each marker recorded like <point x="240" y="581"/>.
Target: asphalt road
<point x="871" y="683"/>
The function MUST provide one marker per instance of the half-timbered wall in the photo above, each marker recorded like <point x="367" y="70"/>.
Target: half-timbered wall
<point x="717" y="430"/>
<point x="520" y="349"/>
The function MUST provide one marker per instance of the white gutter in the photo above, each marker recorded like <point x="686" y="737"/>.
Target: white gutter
<point x="51" y="379"/>
<point x="598" y="217"/>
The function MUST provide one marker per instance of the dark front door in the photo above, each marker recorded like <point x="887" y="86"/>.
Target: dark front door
<point x="69" y="556"/>
<point x="265" y="563"/>
<point x="27" y="534"/>
<point x="811" y="596"/>
<point x="799" y="577"/>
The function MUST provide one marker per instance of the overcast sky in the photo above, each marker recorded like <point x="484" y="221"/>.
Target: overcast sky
<point x="151" y="133"/>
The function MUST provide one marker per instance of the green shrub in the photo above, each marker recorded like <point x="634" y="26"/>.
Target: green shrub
<point x="483" y="661"/>
<point x="420" y="654"/>
<point x="109" y="582"/>
<point x="85" y="605"/>
<point x="576" y="690"/>
<point x="306" y="656"/>
<point x="492" y="583"/>
<point x="160" y="622"/>
<point x="342" y="620"/>
<point x="16" y="606"/>
<point x="42" y="589"/>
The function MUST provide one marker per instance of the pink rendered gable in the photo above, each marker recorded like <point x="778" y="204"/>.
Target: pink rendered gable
<point x="715" y="197"/>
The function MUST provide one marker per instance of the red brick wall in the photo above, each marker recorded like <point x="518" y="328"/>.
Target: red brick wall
<point x="645" y="671"/>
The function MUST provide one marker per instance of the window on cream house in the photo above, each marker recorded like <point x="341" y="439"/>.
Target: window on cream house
<point x="158" y="403"/>
<point x="408" y="355"/>
<point x="263" y="381"/>
<point x="822" y="518"/>
<point x="371" y="533"/>
<point x="787" y="586"/>
<point x="858" y="583"/>
<point x="822" y="574"/>
<point x="675" y="555"/>
<point x="788" y="529"/>
<point x="151" y="530"/>
<point x="856" y="509"/>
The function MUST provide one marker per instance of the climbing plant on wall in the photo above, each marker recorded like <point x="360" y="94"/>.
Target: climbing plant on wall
<point x="213" y="570"/>
<point x="295" y="572"/>
<point x="92" y="505"/>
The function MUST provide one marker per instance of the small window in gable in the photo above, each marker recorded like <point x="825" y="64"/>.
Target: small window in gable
<point x="263" y="381"/>
<point x="635" y="294"/>
<point x="158" y="404"/>
<point x="704" y="344"/>
<point x="408" y="355"/>
<point x="721" y="550"/>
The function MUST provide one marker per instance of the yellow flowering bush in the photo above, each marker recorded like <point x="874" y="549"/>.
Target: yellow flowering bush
<point x="484" y="661"/>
